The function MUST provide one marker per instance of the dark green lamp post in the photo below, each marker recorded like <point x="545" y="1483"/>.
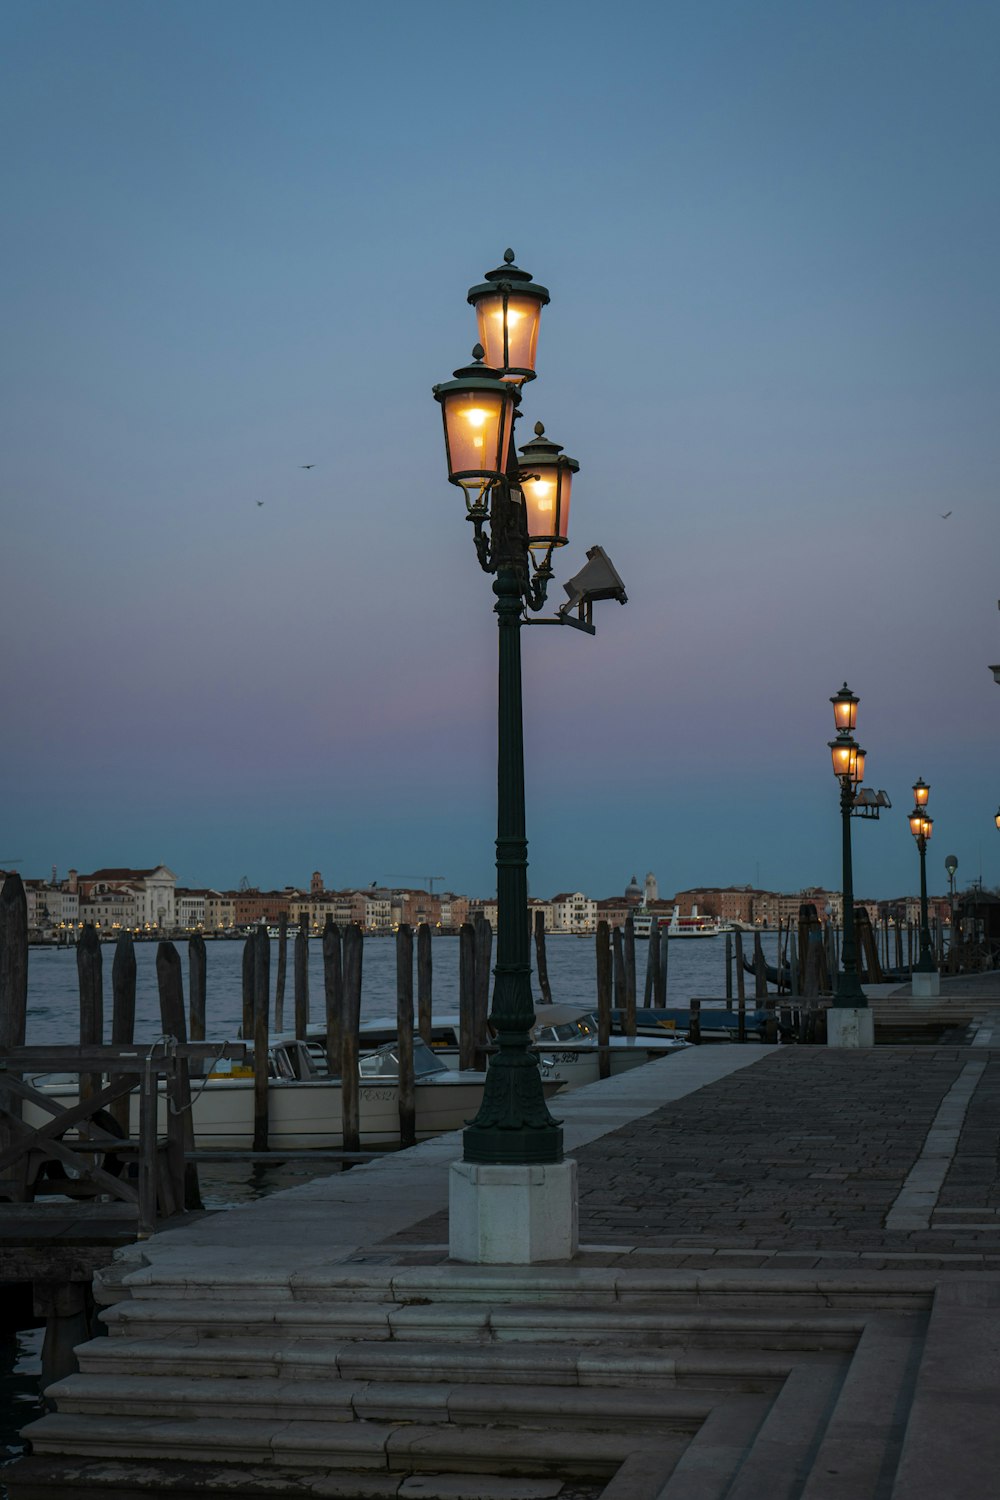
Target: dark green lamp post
<point x="849" y="769"/>
<point x="921" y="825"/>
<point x="519" y="508"/>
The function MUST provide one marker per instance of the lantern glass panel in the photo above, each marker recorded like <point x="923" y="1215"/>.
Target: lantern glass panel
<point x="916" y="819"/>
<point x="843" y="754"/>
<point x="997" y="818"/>
<point x="926" y="825"/>
<point x="547" y="499"/>
<point x="845" y="710"/>
<point x="858" y="767"/>
<point x="478" y="431"/>
<point x="920" y="793"/>
<point x="521" y="320"/>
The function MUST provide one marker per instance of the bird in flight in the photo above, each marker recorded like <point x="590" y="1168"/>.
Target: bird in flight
<point x="946" y="514"/>
<point x="260" y="502"/>
<point x="307" y="466"/>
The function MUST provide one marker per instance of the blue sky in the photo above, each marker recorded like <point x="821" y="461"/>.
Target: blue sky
<point x="239" y="238"/>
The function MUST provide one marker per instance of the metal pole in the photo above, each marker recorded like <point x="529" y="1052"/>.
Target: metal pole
<point x="849" y="992"/>
<point x="925" y="964"/>
<point x="513" y="1125"/>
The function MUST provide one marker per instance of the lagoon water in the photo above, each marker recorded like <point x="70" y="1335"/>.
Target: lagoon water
<point x="696" y="967"/>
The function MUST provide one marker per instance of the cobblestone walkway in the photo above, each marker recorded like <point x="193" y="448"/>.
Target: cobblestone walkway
<point x="794" y="1162"/>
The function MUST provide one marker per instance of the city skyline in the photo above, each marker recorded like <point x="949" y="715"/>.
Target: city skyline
<point x="771" y="242"/>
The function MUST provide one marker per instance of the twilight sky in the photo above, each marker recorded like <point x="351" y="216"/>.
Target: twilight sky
<point x="238" y="239"/>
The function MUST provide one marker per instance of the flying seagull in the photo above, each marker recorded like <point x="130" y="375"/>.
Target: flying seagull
<point x="260" y="502"/>
<point x="307" y="466"/>
<point x="946" y="514"/>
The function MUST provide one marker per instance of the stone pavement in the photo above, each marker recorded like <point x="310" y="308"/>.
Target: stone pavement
<point x="797" y="1161"/>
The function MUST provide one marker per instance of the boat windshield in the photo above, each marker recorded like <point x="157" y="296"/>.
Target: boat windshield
<point x="384" y="1061"/>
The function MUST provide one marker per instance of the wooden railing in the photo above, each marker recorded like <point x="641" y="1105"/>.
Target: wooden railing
<point x="81" y="1150"/>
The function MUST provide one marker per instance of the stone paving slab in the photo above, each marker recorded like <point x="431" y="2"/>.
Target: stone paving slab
<point x="812" y="1155"/>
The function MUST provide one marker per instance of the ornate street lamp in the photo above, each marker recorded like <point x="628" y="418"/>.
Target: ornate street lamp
<point x="921" y="825"/>
<point x="508" y="311"/>
<point x="519" y="507"/>
<point x="849" y="769"/>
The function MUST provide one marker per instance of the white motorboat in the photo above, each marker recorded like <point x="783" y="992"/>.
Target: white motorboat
<point x="304" y="1105"/>
<point x="564" y="1038"/>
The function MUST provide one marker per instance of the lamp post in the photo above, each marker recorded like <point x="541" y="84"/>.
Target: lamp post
<point x="849" y="768"/>
<point x="921" y="825"/>
<point x="519" y="509"/>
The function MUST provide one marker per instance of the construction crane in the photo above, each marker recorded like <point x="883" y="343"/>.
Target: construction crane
<point x="430" y="879"/>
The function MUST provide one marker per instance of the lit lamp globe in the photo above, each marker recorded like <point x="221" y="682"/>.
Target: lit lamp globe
<point x="921" y="791"/>
<point x="916" y="822"/>
<point x="926" y="827"/>
<point x="844" y="753"/>
<point x="546" y="482"/>
<point x="858" y="767"/>
<point x="997" y="818"/>
<point x="845" y="710"/>
<point x="478" y="412"/>
<point x="508" y="311"/>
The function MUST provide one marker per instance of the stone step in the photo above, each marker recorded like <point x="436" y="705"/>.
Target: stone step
<point x="813" y="1329"/>
<point x="607" y="1365"/>
<point x="43" y="1479"/>
<point x="863" y="1439"/>
<point x="428" y="1402"/>
<point x="359" y="1446"/>
<point x="524" y="1285"/>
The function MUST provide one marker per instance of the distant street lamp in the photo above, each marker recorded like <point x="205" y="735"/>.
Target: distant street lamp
<point x="519" y="510"/>
<point x="921" y="826"/>
<point x="849" y="769"/>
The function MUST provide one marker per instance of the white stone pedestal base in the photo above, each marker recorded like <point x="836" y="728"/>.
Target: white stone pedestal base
<point x="926" y="986"/>
<point x="512" y="1216"/>
<point x="850" y="1026"/>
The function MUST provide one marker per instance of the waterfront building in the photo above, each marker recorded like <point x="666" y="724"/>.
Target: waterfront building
<point x="572" y="911"/>
<point x="485" y="909"/>
<point x="454" y="911"/>
<point x="377" y="911"/>
<point x="152" y="891"/>
<point x="190" y="909"/>
<point x="220" y="911"/>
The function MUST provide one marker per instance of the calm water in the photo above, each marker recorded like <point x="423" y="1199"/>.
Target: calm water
<point x="696" y="967"/>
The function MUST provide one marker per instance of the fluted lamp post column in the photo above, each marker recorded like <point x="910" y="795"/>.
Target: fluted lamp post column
<point x="512" y="1197"/>
<point x="849" y="1019"/>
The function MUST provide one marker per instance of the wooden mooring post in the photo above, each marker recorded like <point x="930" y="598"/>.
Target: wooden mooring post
<point x="466" y="996"/>
<point x="484" y="963"/>
<point x="541" y="960"/>
<point x="89" y="977"/>
<point x="302" y="978"/>
<point x="628" y="939"/>
<point x="180" y="1126"/>
<point x="622" y="993"/>
<point x="13" y="983"/>
<point x="281" y="971"/>
<point x="349" y="1042"/>
<point x="123" y="979"/>
<point x="425" y="984"/>
<point x="261" y="1017"/>
<point x="197" y="982"/>
<point x="652" y="984"/>
<point x="246" y="1027"/>
<point x="404" y="1035"/>
<point x="603" y="1000"/>
<point x="333" y="994"/>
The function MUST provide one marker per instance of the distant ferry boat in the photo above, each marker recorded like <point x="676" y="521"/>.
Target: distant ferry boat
<point x="676" y="926"/>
